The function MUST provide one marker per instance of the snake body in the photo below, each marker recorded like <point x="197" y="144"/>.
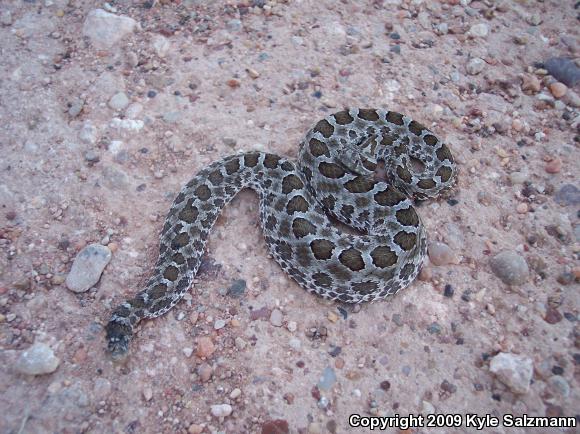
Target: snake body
<point x="335" y="176"/>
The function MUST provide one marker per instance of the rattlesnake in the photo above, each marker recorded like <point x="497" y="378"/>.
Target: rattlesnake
<point x="335" y="176"/>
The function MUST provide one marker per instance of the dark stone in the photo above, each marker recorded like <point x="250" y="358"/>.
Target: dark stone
<point x="568" y="195"/>
<point x="237" y="289"/>
<point x="448" y="291"/>
<point x="563" y="69"/>
<point x="278" y="426"/>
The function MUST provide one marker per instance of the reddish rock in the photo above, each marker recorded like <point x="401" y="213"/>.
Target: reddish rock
<point x="278" y="426"/>
<point x="558" y="89"/>
<point x="262" y="313"/>
<point x="531" y="84"/>
<point x="554" y="165"/>
<point x="205" y="347"/>
<point x="553" y="316"/>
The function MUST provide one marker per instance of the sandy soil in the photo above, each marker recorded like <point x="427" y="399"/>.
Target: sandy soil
<point x="206" y="79"/>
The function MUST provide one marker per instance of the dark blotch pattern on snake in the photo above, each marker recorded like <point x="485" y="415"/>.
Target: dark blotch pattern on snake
<point x="335" y="175"/>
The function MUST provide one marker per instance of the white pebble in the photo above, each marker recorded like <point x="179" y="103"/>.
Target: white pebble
<point x="219" y="324"/>
<point x="105" y="29"/>
<point x="235" y="393"/>
<point x="88" y="267"/>
<point x="240" y="343"/>
<point x="475" y="66"/>
<point x="480" y="30"/>
<point x="221" y="410"/>
<point x="37" y="360"/>
<point x="510" y="267"/>
<point x="147" y="394"/>
<point x="119" y="101"/>
<point x="294" y="343"/>
<point x="276" y="318"/>
<point x="441" y="254"/>
<point x="513" y="370"/>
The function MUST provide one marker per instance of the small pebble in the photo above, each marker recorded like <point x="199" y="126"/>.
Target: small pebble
<point x="534" y="19"/>
<point x="564" y="70"/>
<point x="385" y="385"/>
<point x="88" y="133"/>
<point x="517" y="178"/>
<point x="531" y="84"/>
<point x="88" y="267"/>
<point x="236" y="393"/>
<point x="448" y="387"/>
<point x="434" y="329"/>
<point x="187" y="351"/>
<point x="38" y="359"/>
<point x="276" y="318"/>
<point x="221" y="410"/>
<point x="521" y="39"/>
<point x="553" y="316"/>
<point x="219" y="324"/>
<point x="558" y="89"/>
<point x="568" y="194"/>
<point x="295" y="343"/>
<point x="510" y="267"/>
<point x="314" y="428"/>
<point x="233" y="83"/>
<point x="440" y="254"/>
<point x="480" y="30"/>
<point x="229" y="142"/>
<point x="161" y="45"/>
<point x="559" y="385"/>
<point x="522" y="208"/>
<point x="515" y="371"/>
<point x="443" y="28"/>
<point x="237" y="289"/>
<point x="565" y="278"/>
<point x="205" y="347"/>
<point x="240" y="343"/>
<point x="554" y="165"/>
<point x="119" y="101"/>
<point x="426" y="273"/>
<point x="6" y="18"/>
<point x="234" y="25"/>
<point x="147" y="394"/>
<point x="105" y="29"/>
<point x="76" y="108"/>
<point x="327" y="379"/>
<point x="292" y="326"/>
<point x="253" y="73"/>
<point x="205" y="372"/>
<point x="277" y="426"/>
<point x="195" y="429"/>
<point x="475" y="66"/>
<point x="92" y="157"/>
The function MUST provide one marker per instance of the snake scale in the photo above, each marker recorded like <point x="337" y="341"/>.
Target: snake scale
<point x="336" y="176"/>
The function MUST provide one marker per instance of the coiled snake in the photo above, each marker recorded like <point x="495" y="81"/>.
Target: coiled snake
<point x="336" y="176"/>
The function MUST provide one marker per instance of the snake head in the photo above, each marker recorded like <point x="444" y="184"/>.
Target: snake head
<point x="357" y="160"/>
<point x="118" y="337"/>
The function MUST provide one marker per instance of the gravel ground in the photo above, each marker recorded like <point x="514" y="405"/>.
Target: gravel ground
<point x="108" y="108"/>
